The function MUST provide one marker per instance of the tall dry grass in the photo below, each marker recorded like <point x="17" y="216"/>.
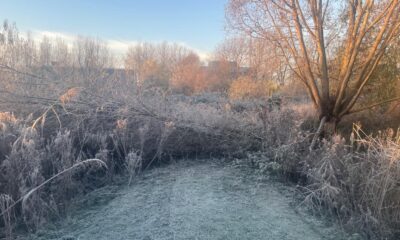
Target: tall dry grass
<point x="30" y="169"/>
<point x="358" y="181"/>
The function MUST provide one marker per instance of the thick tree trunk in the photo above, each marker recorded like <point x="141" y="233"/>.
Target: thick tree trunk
<point x="331" y="119"/>
<point x="330" y="127"/>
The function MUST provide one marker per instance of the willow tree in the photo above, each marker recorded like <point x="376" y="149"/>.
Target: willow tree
<point x="332" y="47"/>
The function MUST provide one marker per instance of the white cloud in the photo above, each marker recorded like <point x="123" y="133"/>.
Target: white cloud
<point x="38" y="36"/>
<point x="204" y="55"/>
<point x="118" y="47"/>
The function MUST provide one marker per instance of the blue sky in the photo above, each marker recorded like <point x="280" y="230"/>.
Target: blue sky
<point x="196" y="23"/>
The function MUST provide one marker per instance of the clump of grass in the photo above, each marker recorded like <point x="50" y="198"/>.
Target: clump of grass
<point x="30" y="168"/>
<point x="358" y="181"/>
<point x="7" y="203"/>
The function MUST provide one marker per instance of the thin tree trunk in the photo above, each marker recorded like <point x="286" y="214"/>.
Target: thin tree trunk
<point x="318" y="133"/>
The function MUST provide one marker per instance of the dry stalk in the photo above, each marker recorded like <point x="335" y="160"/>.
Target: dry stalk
<point x="24" y="198"/>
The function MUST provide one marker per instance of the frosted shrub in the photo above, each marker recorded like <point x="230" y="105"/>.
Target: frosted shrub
<point x="198" y="128"/>
<point x="358" y="181"/>
<point x="326" y="173"/>
<point x="24" y="172"/>
<point x="27" y="160"/>
<point x="278" y="126"/>
<point x="264" y="163"/>
<point x="9" y="128"/>
<point x="61" y="152"/>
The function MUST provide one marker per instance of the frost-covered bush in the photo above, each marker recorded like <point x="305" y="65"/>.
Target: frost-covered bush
<point x="357" y="181"/>
<point x="27" y="160"/>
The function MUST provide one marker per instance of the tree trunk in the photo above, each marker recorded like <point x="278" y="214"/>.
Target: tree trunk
<point x="326" y="129"/>
<point x="330" y="127"/>
<point x="331" y="119"/>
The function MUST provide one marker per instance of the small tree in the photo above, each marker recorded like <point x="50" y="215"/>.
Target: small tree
<point x="333" y="47"/>
<point x="152" y="64"/>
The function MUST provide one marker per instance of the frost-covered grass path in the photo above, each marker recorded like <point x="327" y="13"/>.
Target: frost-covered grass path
<point x="186" y="200"/>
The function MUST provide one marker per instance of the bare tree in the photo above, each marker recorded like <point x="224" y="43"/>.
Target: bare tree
<point x="233" y="49"/>
<point x="261" y="57"/>
<point x="136" y="59"/>
<point x="153" y="62"/>
<point x="91" y="58"/>
<point x="333" y="47"/>
<point x="188" y="76"/>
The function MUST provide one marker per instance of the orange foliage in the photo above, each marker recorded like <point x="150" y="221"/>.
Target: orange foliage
<point x="188" y="76"/>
